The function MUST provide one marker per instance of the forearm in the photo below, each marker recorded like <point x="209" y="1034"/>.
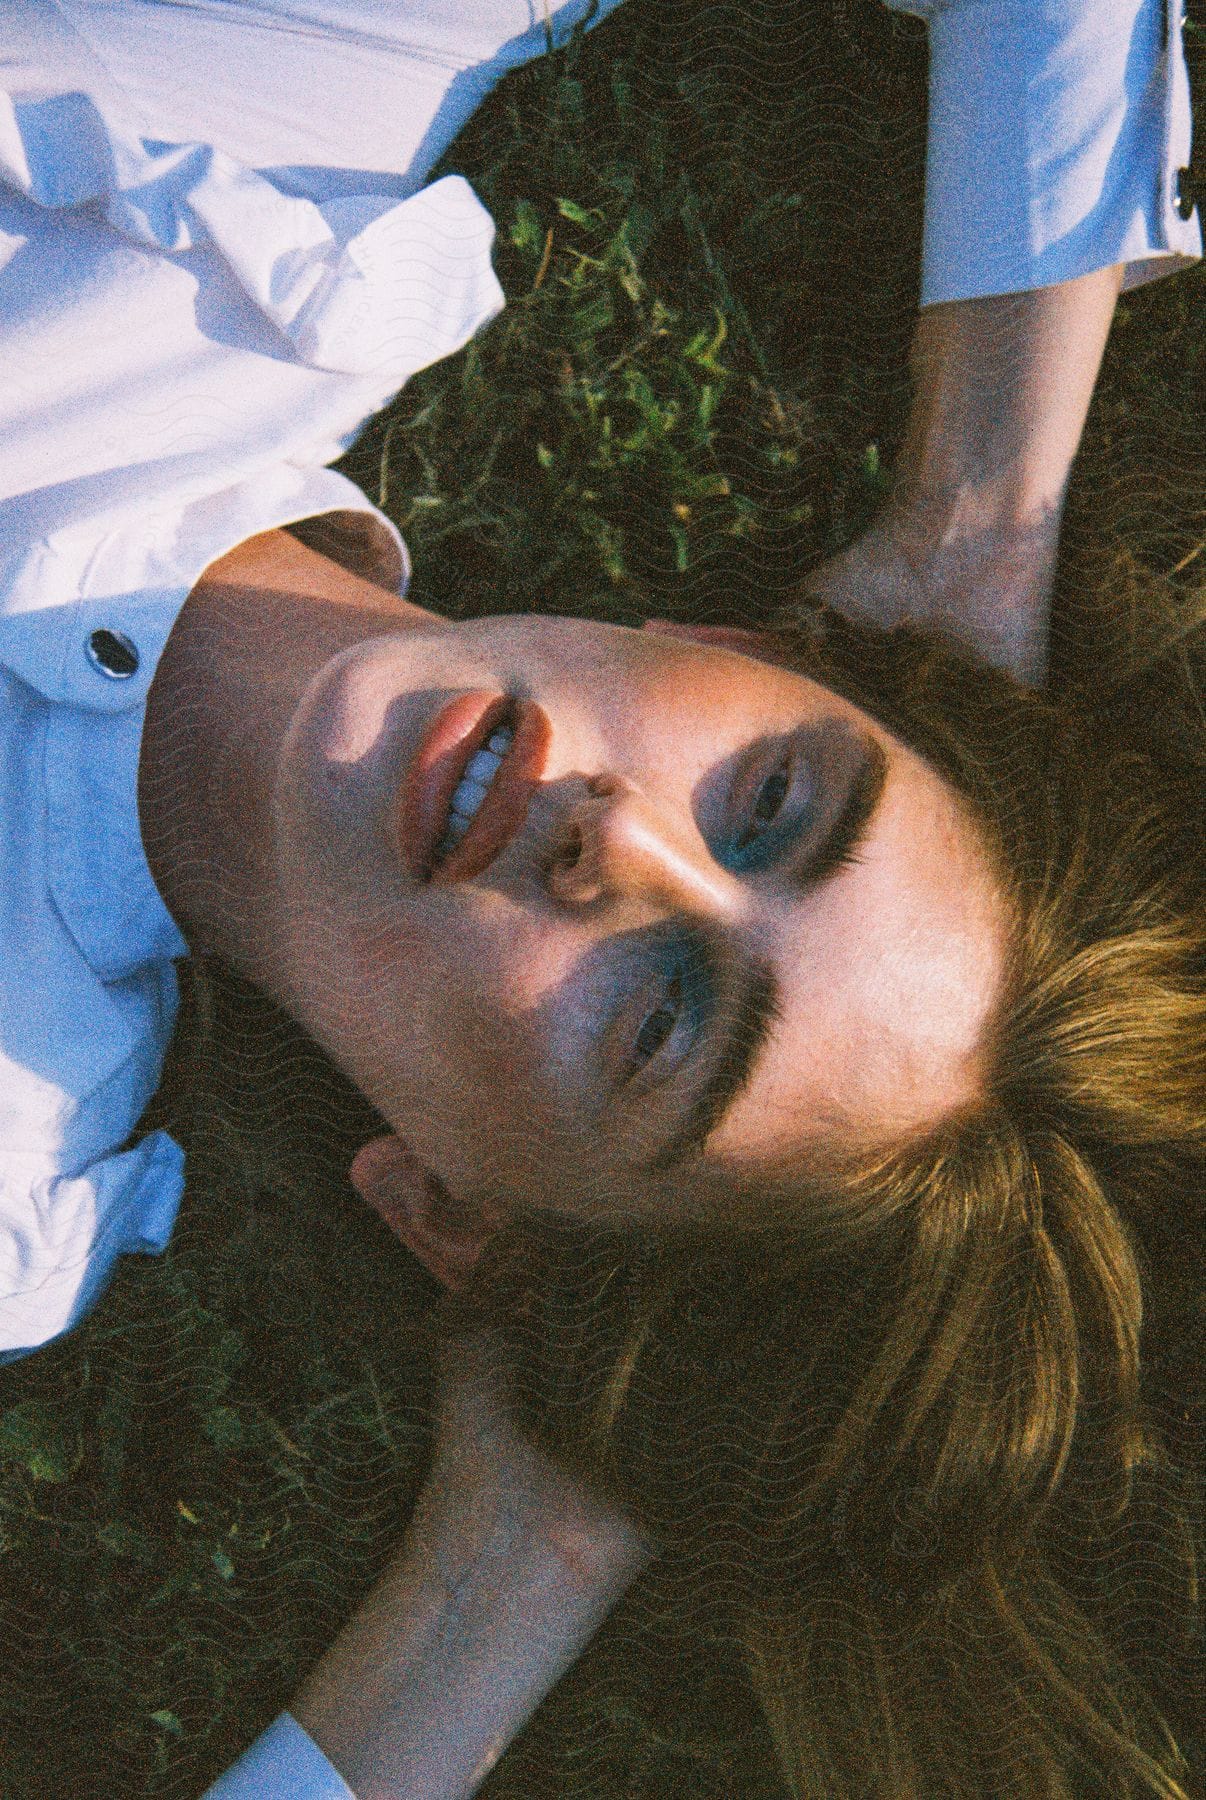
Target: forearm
<point x="1055" y="137"/>
<point x="967" y="543"/>
<point x="442" y="1667"/>
<point x="1001" y="390"/>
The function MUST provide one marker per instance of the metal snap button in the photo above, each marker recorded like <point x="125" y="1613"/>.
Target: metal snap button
<point x="113" y="654"/>
<point x="1185" y="192"/>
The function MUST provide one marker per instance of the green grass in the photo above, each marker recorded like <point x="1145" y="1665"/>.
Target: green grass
<point x="709" y="228"/>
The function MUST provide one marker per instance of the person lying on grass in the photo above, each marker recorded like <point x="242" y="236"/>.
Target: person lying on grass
<point x="791" y="1009"/>
<point x="777" y="1003"/>
<point x="783" y="1005"/>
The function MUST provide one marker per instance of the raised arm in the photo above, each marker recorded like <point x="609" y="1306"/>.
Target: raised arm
<point x="508" y="1569"/>
<point x="1058" y="132"/>
<point x="967" y="543"/>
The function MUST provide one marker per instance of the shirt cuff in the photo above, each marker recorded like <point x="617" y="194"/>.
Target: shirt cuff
<point x="1056" y="131"/>
<point x="284" y="1763"/>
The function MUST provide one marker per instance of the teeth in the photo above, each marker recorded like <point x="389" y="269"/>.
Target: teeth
<point x="480" y="771"/>
<point x="483" y="767"/>
<point x="469" y="796"/>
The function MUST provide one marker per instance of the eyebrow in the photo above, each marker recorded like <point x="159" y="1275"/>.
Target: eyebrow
<point x="756" y="1007"/>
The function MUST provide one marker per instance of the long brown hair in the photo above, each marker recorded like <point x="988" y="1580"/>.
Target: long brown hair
<point x="895" y="1437"/>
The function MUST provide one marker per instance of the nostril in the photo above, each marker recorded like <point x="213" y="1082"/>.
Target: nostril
<point x="569" y="850"/>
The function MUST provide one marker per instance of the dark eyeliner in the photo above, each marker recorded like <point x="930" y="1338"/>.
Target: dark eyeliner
<point x="752" y="851"/>
<point x="690" y="959"/>
<point x="841" y="842"/>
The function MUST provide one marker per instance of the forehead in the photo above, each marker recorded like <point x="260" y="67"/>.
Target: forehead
<point x="889" y="974"/>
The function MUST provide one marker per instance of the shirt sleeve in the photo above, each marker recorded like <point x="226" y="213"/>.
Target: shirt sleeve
<point x="1057" y="133"/>
<point x="60" y="1236"/>
<point x="398" y="78"/>
<point x="284" y="1763"/>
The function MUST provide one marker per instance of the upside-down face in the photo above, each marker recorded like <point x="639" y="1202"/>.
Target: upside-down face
<point x="605" y="920"/>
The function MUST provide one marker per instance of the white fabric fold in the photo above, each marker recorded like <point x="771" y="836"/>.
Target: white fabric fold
<point x="1056" y="129"/>
<point x="366" y="286"/>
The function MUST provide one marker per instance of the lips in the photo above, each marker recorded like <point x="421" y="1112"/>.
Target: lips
<point x="455" y="735"/>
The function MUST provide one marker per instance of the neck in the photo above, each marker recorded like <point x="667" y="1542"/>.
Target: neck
<point x="251" y="637"/>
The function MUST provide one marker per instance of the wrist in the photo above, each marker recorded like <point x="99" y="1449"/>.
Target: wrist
<point x="443" y="1665"/>
<point x="979" y="576"/>
<point x="992" y="521"/>
<point x="566" y="1534"/>
<point x="973" y="475"/>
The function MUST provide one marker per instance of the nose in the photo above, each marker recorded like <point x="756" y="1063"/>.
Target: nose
<point x="617" y="843"/>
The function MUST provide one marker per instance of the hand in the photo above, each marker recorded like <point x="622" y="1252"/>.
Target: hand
<point x="492" y="1494"/>
<point x="984" y="585"/>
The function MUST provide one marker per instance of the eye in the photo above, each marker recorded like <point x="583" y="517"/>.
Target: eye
<point x="657" y="1025"/>
<point x="666" y="983"/>
<point x="768" y="803"/>
<point x="772" y="802"/>
<point x="764" y="811"/>
<point x="567" y="853"/>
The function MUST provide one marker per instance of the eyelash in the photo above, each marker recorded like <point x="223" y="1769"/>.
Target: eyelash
<point x="745" y="847"/>
<point x="675" y="989"/>
<point x="847" y="859"/>
<point x="783" y="772"/>
<point x="679" y="996"/>
<point x="673" y="992"/>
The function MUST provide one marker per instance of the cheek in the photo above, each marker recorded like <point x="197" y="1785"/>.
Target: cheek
<point x="482" y="1113"/>
<point x="476" y="1057"/>
<point x="514" y="1083"/>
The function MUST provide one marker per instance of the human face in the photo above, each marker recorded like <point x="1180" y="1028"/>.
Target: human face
<point x="668" y="979"/>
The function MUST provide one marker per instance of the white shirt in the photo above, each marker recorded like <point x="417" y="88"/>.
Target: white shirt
<point x="207" y="284"/>
<point x="1057" y="129"/>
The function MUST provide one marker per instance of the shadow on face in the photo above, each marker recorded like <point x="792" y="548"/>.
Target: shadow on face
<point x="735" y="920"/>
